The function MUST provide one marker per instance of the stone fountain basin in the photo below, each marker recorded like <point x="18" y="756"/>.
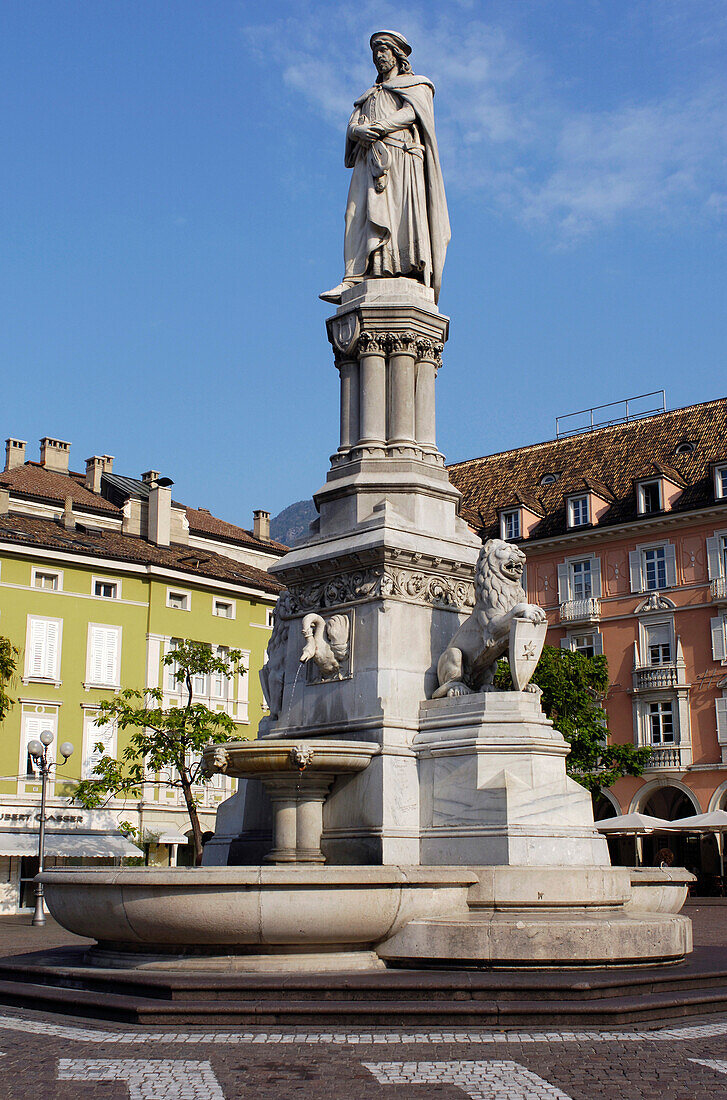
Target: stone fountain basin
<point x="267" y="757"/>
<point x="340" y="908"/>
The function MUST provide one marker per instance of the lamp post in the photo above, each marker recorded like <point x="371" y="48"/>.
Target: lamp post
<point x="39" y="752"/>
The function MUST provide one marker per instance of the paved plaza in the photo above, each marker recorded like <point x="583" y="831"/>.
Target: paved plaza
<point x="67" y="1058"/>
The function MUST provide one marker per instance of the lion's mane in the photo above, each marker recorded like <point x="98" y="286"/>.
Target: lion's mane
<point x="492" y="590"/>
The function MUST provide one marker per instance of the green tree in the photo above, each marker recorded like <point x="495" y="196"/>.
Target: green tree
<point x="574" y="688"/>
<point x="8" y="660"/>
<point x="165" y="743"/>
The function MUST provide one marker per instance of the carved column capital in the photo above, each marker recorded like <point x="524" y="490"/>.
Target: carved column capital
<point x="400" y="343"/>
<point x="430" y="350"/>
<point x="371" y="343"/>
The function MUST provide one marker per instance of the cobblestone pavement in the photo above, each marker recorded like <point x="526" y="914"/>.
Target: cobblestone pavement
<point x="63" y="1058"/>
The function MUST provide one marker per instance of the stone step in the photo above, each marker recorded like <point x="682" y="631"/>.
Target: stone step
<point x="706" y="968"/>
<point x="430" y="1012"/>
<point x="410" y="999"/>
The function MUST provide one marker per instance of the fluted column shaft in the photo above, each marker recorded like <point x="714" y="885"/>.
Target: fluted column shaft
<point x="372" y="390"/>
<point x="426" y="373"/>
<point x="350" y="431"/>
<point x="401" y="387"/>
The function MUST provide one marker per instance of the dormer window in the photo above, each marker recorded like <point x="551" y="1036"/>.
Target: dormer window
<point x="649" y="497"/>
<point x="686" y="447"/>
<point x="510" y="525"/>
<point x="578" y="511"/>
<point x="548" y="479"/>
<point x="720" y="482"/>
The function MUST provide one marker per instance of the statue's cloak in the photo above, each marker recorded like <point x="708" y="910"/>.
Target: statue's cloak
<point x="418" y="92"/>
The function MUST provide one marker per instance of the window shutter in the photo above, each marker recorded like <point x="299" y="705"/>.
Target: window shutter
<point x="95" y="735"/>
<point x="635" y="570"/>
<point x="597" y="644"/>
<point x="563" y="586"/>
<point x="721" y="706"/>
<point x="104" y="655"/>
<point x="36" y="646"/>
<point x="596" y="578"/>
<point x="51" y="651"/>
<point x="671" y="565"/>
<point x="718" y="639"/>
<point x="43" y="648"/>
<point x="713" y="559"/>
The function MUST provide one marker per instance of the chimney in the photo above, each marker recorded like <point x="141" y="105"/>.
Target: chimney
<point x="150" y="477"/>
<point x="94" y="468"/>
<point x="108" y="464"/>
<point x="14" y="453"/>
<point x="160" y="512"/>
<point x="69" y="520"/>
<point x="261" y="524"/>
<point x="54" y="454"/>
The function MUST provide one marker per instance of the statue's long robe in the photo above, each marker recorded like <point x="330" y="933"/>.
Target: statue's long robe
<point x="396" y="217"/>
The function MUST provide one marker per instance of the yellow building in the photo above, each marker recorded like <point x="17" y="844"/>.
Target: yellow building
<point x="99" y="574"/>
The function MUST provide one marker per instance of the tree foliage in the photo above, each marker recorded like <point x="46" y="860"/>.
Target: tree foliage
<point x="574" y="688"/>
<point x="8" y="661"/>
<point x="165" y="744"/>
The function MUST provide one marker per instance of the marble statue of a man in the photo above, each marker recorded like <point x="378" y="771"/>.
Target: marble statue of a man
<point x="396" y="217"/>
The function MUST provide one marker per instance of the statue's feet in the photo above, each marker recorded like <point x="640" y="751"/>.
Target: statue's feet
<point x="335" y="294"/>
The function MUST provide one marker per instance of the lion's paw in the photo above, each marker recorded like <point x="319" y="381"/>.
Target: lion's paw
<point x="533" y="689"/>
<point x="455" y="690"/>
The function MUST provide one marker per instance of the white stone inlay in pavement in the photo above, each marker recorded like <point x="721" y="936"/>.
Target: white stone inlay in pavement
<point x="479" y="1080"/>
<point x="361" y="1038"/>
<point x="717" y="1064"/>
<point x="147" y="1079"/>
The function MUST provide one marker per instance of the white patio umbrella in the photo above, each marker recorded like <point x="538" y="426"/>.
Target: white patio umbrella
<point x="713" y="822"/>
<point x="637" y="825"/>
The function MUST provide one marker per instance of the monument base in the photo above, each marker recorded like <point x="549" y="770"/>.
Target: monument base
<point x="493" y="786"/>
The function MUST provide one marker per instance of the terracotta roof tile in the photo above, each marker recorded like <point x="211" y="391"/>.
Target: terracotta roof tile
<point x="610" y="458"/>
<point x="33" y="480"/>
<point x="32" y="532"/>
<point x="203" y="523"/>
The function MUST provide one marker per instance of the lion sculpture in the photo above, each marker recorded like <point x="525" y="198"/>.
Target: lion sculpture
<point x="468" y="663"/>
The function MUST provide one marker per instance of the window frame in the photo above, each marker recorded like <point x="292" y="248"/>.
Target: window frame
<point x="114" y="684"/>
<point x="26" y="769"/>
<point x="647" y="625"/>
<point x="44" y="571"/>
<point x="720" y="481"/>
<point x="232" y="604"/>
<point x="90" y="732"/>
<point x="582" y="498"/>
<point x="105" y="580"/>
<point x="29" y="676"/>
<point x="511" y="514"/>
<point x="648" y="484"/>
<point x="184" y="592"/>
<point x="657" y="708"/>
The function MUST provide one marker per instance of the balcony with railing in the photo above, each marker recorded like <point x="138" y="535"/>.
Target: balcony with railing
<point x="655" y="677"/>
<point x="666" y="757"/>
<point x="718" y="589"/>
<point x="581" y="611"/>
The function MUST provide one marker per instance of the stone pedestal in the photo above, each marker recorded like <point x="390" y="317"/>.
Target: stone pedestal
<point x="388" y="551"/>
<point x="494" y="788"/>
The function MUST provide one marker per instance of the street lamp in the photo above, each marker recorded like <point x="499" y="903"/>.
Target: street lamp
<point x="38" y="749"/>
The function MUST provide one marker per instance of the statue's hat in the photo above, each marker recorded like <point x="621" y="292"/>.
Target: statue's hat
<point x="392" y="36"/>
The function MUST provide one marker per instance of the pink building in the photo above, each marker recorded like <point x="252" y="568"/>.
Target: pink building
<point x="625" y="528"/>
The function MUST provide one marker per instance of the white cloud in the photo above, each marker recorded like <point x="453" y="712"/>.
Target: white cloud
<point x="507" y="127"/>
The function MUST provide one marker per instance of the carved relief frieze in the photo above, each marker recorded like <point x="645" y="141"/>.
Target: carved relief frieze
<point x="384" y="582"/>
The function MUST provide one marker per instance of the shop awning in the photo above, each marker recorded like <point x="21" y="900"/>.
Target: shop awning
<point x="173" y="838"/>
<point x="18" y="842"/>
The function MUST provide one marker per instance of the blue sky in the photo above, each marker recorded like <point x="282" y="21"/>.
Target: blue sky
<point x="173" y="196"/>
